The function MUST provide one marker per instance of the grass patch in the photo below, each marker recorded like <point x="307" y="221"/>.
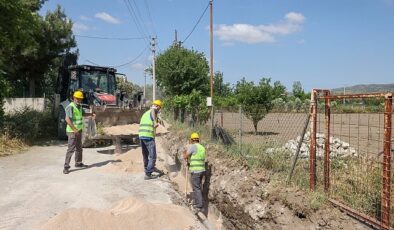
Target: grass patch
<point x="10" y="146"/>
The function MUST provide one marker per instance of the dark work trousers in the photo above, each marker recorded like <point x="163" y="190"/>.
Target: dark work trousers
<point x="74" y="145"/>
<point x="149" y="154"/>
<point x="196" y="179"/>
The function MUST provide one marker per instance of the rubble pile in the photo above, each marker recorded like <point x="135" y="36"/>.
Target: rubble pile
<point x="338" y="148"/>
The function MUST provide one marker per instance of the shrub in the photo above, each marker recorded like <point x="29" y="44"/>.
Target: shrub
<point x="30" y="125"/>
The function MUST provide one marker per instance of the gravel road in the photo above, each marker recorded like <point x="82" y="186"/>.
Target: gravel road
<point x="34" y="189"/>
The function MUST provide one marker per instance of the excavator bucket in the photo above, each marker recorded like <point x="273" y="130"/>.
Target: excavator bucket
<point x="107" y="117"/>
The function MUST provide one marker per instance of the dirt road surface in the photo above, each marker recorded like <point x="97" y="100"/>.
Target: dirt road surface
<point x="35" y="194"/>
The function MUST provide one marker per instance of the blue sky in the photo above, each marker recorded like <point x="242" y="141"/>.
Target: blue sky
<point x="322" y="44"/>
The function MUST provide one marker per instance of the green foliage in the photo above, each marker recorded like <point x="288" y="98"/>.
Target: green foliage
<point x="194" y="104"/>
<point x="31" y="44"/>
<point x="225" y="102"/>
<point x="179" y="71"/>
<point x="124" y="86"/>
<point x="256" y="100"/>
<point x="30" y="125"/>
<point x="298" y="92"/>
<point x="221" y="89"/>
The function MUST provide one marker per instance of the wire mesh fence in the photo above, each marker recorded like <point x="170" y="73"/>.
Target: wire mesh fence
<point x="274" y="129"/>
<point x="356" y="149"/>
<point x="358" y="174"/>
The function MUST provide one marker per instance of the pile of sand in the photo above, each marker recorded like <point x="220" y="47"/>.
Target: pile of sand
<point x="131" y="161"/>
<point x="130" y="213"/>
<point x="131" y="129"/>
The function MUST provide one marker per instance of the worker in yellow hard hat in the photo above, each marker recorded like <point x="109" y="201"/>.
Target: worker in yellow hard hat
<point x="196" y="156"/>
<point x="147" y="132"/>
<point x="74" y="120"/>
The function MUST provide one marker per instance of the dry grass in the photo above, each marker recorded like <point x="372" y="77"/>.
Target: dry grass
<point x="10" y="146"/>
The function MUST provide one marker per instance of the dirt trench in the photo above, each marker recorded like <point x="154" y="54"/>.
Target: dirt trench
<point x="248" y="199"/>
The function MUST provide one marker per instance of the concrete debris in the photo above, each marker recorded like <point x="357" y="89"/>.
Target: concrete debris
<point x="338" y="148"/>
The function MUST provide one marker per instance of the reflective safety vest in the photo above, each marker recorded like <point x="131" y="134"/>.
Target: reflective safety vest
<point x="77" y="118"/>
<point x="197" y="160"/>
<point x="146" y="126"/>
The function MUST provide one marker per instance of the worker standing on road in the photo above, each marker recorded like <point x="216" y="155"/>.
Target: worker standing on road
<point x="74" y="119"/>
<point x="147" y="131"/>
<point x="195" y="155"/>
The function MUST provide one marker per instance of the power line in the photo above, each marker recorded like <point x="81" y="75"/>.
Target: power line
<point x="129" y="62"/>
<point x="150" y="17"/>
<point x="135" y="19"/>
<point x="87" y="60"/>
<point x="196" y="23"/>
<point x="110" y="38"/>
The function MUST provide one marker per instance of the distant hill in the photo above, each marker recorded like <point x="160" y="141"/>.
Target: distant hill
<point x="368" y="88"/>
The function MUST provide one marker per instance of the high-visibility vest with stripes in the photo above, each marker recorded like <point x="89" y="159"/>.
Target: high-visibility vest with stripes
<point x="77" y="118"/>
<point x="146" y="126"/>
<point x="197" y="160"/>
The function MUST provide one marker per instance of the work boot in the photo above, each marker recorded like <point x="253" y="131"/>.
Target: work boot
<point x="149" y="176"/>
<point x="81" y="165"/>
<point x="160" y="172"/>
<point x="66" y="171"/>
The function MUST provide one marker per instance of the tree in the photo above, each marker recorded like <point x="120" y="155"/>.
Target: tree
<point x="298" y="92"/>
<point x="179" y="71"/>
<point x="32" y="43"/>
<point x="256" y="100"/>
<point x="220" y="89"/>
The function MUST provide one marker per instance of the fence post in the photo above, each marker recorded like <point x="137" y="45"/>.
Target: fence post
<point x="312" y="147"/>
<point x="386" y="185"/>
<point x="327" y="143"/>
<point x="298" y="148"/>
<point x="240" y="129"/>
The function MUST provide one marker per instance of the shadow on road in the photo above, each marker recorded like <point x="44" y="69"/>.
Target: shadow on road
<point x="98" y="164"/>
<point x="111" y="151"/>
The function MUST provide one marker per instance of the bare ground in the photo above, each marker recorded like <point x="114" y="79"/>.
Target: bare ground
<point x="248" y="199"/>
<point x="36" y="194"/>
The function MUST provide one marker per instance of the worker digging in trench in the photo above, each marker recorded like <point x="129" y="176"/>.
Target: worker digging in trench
<point x="195" y="157"/>
<point x="147" y="132"/>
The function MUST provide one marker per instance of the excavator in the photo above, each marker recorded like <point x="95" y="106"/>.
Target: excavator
<point x="101" y="96"/>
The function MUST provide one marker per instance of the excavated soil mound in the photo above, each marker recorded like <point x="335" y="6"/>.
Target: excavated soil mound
<point x="130" y="213"/>
<point x="131" y="161"/>
<point x="132" y="129"/>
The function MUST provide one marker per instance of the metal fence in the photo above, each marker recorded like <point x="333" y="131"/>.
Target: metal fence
<point x="351" y="158"/>
<point x="276" y="129"/>
<point x="355" y="170"/>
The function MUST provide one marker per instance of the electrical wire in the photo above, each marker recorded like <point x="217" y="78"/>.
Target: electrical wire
<point x="150" y="17"/>
<point x="198" y="21"/>
<point x="130" y="62"/>
<point x="110" y="38"/>
<point x="135" y="19"/>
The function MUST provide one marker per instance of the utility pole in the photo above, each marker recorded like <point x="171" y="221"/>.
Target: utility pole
<point x="144" y="88"/>
<point x="153" y="48"/>
<point x="344" y="92"/>
<point x="211" y="61"/>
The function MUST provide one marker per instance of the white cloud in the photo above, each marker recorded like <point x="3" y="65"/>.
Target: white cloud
<point x="138" y="66"/>
<point x="253" y="34"/>
<point x="78" y="27"/>
<point x="107" y="18"/>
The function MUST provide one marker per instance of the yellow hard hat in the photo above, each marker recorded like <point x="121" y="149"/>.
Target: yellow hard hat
<point x="78" y="95"/>
<point x="194" y="136"/>
<point x="158" y="103"/>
